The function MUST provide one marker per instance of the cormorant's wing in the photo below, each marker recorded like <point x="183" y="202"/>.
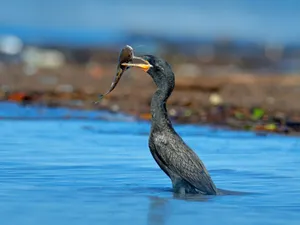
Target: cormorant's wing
<point x="180" y="159"/>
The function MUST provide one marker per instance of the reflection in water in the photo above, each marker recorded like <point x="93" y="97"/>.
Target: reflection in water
<point x="159" y="209"/>
<point x="158" y="212"/>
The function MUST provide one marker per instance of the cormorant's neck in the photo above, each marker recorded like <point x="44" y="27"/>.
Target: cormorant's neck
<point x="158" y="107"/>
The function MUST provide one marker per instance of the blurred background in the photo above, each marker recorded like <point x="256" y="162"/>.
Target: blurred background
<point x="66" y="160"/>
<point x="237" y="63"/>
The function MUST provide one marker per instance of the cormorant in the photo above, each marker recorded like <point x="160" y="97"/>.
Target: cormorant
<point x="185" y="169"/>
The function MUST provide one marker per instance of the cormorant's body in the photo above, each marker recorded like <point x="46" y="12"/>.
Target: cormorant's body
<point x="175" y="158"/>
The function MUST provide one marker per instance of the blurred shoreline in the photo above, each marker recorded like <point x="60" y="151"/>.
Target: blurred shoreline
<point x="221" y="88"/>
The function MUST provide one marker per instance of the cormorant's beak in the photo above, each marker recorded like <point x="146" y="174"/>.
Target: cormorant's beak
<point x="144" y="64"/>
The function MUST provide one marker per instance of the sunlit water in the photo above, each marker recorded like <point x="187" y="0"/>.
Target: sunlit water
<point x="101" y="172"/>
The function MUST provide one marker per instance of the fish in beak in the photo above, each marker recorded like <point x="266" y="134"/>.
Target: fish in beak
<point x="126" y="60"/>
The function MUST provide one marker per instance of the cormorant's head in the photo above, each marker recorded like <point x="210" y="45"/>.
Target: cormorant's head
<point x="149" y="63"/>
<point x="157" y="68"/>
<point x="157" y="65"/>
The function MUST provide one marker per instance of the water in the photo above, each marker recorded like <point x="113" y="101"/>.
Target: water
<point x="84" y="172"/>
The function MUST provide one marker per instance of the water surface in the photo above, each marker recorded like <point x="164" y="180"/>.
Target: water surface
<point x="84" y="172"/>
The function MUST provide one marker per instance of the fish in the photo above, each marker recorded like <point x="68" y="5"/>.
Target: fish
<point x="126" y="56"/>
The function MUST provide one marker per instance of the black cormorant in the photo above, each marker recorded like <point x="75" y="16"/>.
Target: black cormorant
<point x="185" y="169"/>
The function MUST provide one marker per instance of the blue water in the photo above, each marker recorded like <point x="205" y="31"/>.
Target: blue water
<point x="101" y="172"/>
